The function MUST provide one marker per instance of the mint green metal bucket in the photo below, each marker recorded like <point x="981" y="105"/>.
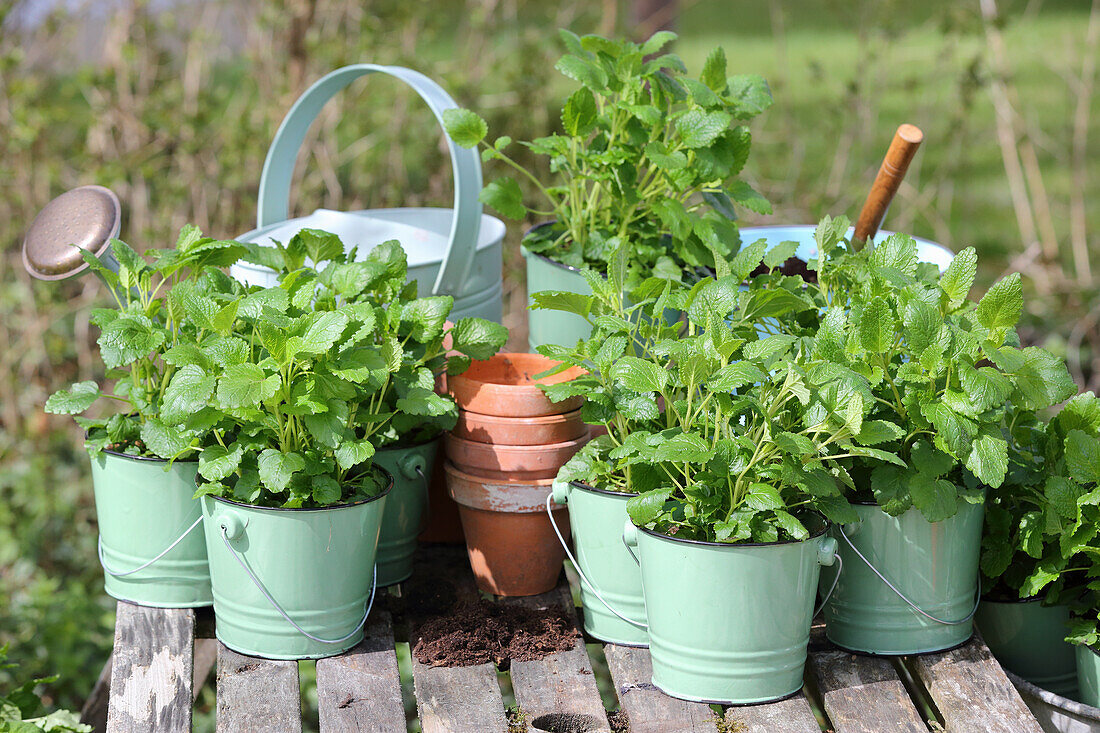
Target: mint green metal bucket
<point x="1028" y="639"/>
<point x="728" y="623"/>
<point x="402" y="519"/>
<point x="1088" y="675"/>
<point x="909" y="586"/>
<point x="611" y="582"/>
<point x="150" y="544"/>
<point x="547" y="326"/>
<point x="292" y="583"/>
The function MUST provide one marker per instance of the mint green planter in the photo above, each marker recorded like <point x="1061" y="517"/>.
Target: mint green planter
<point x="553" y="327"/>
<point x="1088" y="676"/>
<point x="1028" y="639"/>
<point x="610" y="579"/>
<point x="150" y="543"/>
<point x="411" y="467"/>
<point x="934" y="565"/>
<point x="314" y="565"/>
<point x="729" y="624"/>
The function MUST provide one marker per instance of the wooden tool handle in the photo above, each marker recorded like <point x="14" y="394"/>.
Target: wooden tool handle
<point x="902" y="149"/>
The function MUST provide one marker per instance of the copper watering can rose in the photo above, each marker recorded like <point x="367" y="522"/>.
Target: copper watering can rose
<point x="85" y="218"/>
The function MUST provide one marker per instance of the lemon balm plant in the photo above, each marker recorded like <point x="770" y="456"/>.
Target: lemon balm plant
<point x="291" y="400"/>
<point x="143" y="471"/>
<point x="647" y="155"/>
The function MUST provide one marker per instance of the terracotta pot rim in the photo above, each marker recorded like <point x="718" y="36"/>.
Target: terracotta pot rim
<point x="503" y="385"/>
<point x="509" y="448"/>
<point x="556" y="419"/>
<point x="450" y="467"/>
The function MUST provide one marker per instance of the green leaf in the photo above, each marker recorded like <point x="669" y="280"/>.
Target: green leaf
<point x="659" y="153"/>
<point x="321" y="246"/>
<point x="714" y="70"/>
<point x="352" y="453"/>
<point x="586" y="72"/>
<point x="1042" y="380"/>
<point x="562" y="301"/>
<point x="877" y="326"/>
<point x="421" y="401"/>
<point x="78" y="398"/>
<point x="957" y="280"/>
<point x="986" y="387"/>
<point x="922" y="323"/>
<point x="578" y="117"/>
<point x="1083" y="456"/>
<point x="744" y="194"/>
<point x="427" y="316"/>
<point x="325" y="490"/>
<point x="277" y="468"/>
<point x="163" y="440"/>
<point x="795" y="444"/>
<point x="187" y="393"/>
<point x="752" y="94"/>
<point x="874" y="432"/>
<point x="246" y="385"/>
<point x="790" y="525"/>
<point x="734" y="376"/>
<point x="699" y="128"/>
<point x="763" y="496"/>
<point x="322" y="332"/>
<point x="478" y="338"/>
<point x="1000" y="308"/>
<point x="1062" y="494"/>
<point x="683" y="448"/>
<point x="988" y="459"/>
<point x="779" y="254"/>
<point x="639" y="375"/>
<point x="934" y="497"/>
<point x="217" y="462"/>
<point x="646" y="507"/>
<point x="657" y="41"/>
<point x="953" y="431"/>
<point x="128" y="338"/>
<point x="897" y="253"/>
<point x="504" y="195"/>
<point x="836" y="509"/>
<point x="466" y="128"/>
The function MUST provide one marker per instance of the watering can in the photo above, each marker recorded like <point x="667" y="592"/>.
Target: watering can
<point x="456" y="252"/>
<point x="87" y="217"/>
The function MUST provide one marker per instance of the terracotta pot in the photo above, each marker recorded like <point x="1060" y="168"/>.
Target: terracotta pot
<point x="543" y="430"/>
<point x="511" y="544"/>
<point x="516" y="462"/>
<point x="505" y="386"/>
<point x="443" y="524"/>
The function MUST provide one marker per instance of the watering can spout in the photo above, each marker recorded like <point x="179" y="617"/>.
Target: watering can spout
<point x="85" y="218"/>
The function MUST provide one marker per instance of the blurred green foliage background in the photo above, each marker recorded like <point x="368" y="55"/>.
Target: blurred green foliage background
<point x="173" y="105"/>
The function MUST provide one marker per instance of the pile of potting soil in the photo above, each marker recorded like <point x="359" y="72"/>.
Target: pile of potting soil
<point x="791" y="266"/>
<point x="475" y="632"/>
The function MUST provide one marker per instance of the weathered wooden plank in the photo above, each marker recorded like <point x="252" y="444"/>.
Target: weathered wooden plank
<point x="257" y="694"/>
<point x="792" y="715"/>
<point x="648" y="709"/>
<point x="864" y="694"/>
<point x="451" y="699"/>
<point x="558" y="692"/>
<point x="151" y="673"/>
<point x="972" y="692"/>
<point x="361" y="690"/>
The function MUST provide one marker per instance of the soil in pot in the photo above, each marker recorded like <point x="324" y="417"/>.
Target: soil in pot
<point x="791" y="266"/>
<point x="475" y="632"/>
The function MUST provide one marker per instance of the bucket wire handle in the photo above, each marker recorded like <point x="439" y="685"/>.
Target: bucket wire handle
<point x="289" y="620"/>
<point x="165" y="551"/>
<point x="465" y="163"/>
<point x="902" y="596"/>
<point x="839" y="568"/>
<point x="577" y="567"/>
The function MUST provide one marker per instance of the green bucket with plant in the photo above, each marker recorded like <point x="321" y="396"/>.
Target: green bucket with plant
<point x="647" y="155"/>
<point x="1033" y="563"/>
<point x="143" y="470"/>
<point x="406" y="507"/>
<point x="725" y="439"/>
<point x="941" y="371"/>
<point x="288" y="399"/>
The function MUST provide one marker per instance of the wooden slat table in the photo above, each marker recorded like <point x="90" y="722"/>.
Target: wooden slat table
<point x="155" y="676"/>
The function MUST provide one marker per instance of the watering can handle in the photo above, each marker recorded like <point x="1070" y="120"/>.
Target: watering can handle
<point x="465" y="162"/>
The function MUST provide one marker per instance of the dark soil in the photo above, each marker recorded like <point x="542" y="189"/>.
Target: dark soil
<point x="475" y="632"/>
<point x="618" y="721"/>
<point x="791" y="267"/>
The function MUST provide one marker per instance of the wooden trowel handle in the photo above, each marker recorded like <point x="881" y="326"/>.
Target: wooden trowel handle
<point x="902" y="149"/>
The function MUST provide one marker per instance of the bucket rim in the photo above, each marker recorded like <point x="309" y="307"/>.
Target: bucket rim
<point x="606" y="492"/>
<point x="811" y="227"/>
<point x="1016" y="601"/>
<point x="826" y="524"/>
<point x="380" y="495"/>
<point x="149" y="459"/>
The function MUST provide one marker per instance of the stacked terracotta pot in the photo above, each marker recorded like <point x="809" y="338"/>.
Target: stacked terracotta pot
<point x="503" y="454"/>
